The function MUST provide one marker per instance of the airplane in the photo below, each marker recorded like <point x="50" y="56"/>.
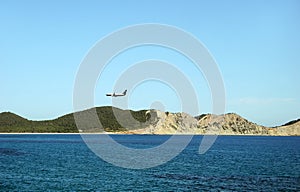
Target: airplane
<point x="116" y="95"/>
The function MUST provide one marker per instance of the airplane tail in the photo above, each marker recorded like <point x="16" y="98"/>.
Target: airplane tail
<point x="124" y="93"/>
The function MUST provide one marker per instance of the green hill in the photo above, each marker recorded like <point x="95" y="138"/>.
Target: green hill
<point x="12" y="123"/>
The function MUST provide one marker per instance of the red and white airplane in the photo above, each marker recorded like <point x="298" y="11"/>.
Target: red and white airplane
<point x="116" y="94"/>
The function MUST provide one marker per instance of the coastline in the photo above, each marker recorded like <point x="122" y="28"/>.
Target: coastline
<point x="110" y="133"/>
<point x="161" y="124"/>
<point x="116" y="133"/>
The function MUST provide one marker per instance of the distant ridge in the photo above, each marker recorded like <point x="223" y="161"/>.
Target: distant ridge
<point x="292" y="122"/>
<point x="148" y="122"/>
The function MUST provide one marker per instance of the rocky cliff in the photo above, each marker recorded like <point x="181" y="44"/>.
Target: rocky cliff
<point x="228" y="124"/>
<point x="286" y="130"/>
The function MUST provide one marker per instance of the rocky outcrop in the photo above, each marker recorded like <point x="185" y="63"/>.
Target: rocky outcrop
<point x="228" y="124"/>
<point x="168" y="123"/>
<point x="172" y="123"/>
<point x="292" y="129"/>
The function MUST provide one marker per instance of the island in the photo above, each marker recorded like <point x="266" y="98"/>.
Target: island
<point x="115" y="120"/>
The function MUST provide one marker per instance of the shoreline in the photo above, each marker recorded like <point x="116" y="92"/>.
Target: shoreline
<point x="115" y="133"/>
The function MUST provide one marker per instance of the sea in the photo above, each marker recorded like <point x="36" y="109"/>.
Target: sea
<point x="62" y="162"/>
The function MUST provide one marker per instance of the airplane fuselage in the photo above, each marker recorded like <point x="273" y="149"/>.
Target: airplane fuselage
<point x="116" y="94"/>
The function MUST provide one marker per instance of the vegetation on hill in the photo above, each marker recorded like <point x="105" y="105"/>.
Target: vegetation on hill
<point x="107" y="117"/>
<point x="291" y="122"/>
<point x="143" y="121"/>
<point x="10" y="122"/>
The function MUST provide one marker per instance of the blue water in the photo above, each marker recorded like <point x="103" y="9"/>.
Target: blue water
<point x="234" y="163"/>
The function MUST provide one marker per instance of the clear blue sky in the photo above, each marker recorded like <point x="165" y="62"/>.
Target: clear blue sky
<point x="255" y="43"/>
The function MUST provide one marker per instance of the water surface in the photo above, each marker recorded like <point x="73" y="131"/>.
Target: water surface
<point x="234" y="163"/>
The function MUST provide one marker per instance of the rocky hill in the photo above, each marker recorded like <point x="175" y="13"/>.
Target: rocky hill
<point x="149" y="122"/>
<point x="228" y="124"/>
<point x="290" y="128"/>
